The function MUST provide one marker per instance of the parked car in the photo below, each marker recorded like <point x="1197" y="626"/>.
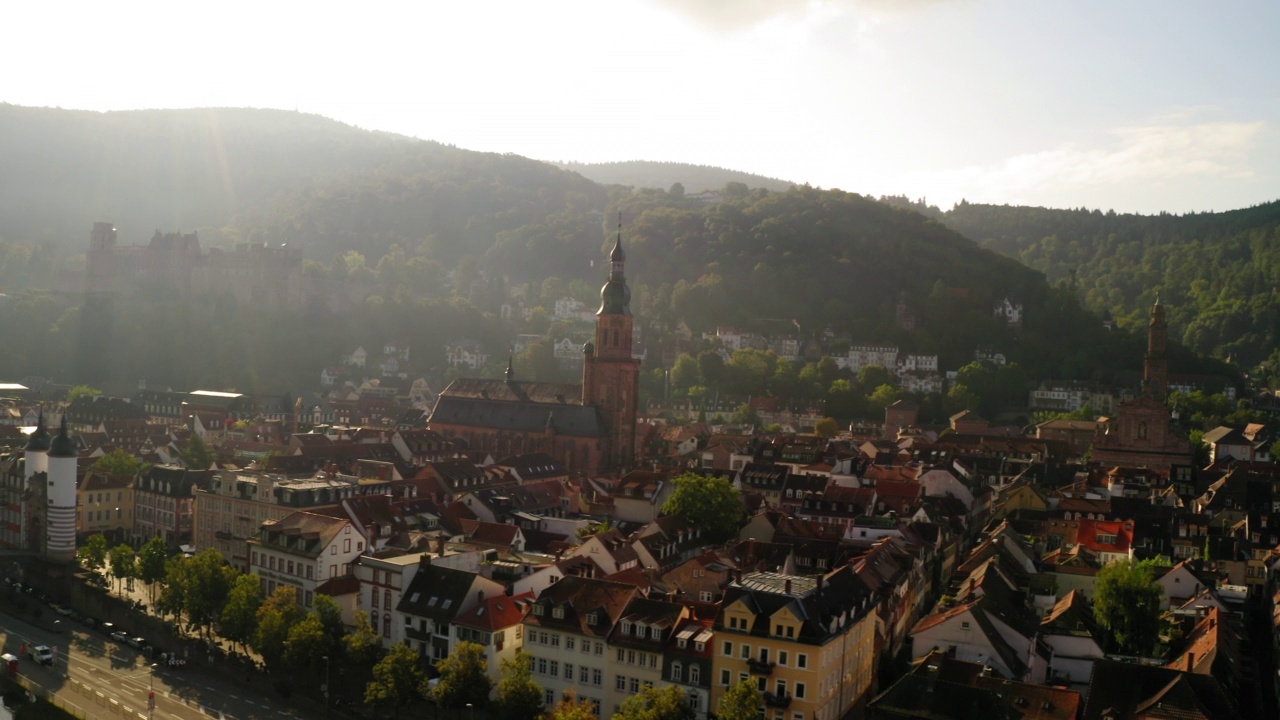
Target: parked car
<point x="120" y="636"/>
<point x="107" y="628"/>
<point x="136" y="642"/>
<point x="41" y="654"/>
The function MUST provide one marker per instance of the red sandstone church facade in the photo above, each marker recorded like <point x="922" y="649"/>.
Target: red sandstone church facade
<point x="590" y="429"/>
<point x="1140" y="434"/>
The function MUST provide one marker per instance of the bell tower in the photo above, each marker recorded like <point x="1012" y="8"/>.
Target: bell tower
<point x="610" y="375"/>
<point x="1155" y="369"/>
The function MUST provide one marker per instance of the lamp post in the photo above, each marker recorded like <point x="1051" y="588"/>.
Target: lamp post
<point x="151" y="692"/>
<point x="471" y="712"/>
<point x="326" y="686"/>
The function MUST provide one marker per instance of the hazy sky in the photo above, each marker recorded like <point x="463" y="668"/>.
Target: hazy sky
<point x="1136" y="105"/>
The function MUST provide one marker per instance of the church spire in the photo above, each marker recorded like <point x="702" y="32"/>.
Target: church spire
<point x="615" y="296"/>
<point x="1155" y="370"/>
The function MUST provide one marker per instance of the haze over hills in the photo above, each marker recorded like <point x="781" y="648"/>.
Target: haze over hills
<point x="662" y="175"/>
<point x="435" y="239"/>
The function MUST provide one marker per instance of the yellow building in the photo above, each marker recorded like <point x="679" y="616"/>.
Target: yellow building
<point x="807" y="642"/>
<point x="104" y="504"/>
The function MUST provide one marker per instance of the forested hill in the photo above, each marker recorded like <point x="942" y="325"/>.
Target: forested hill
<point x="437" y="239"/>
<point x="1218" y="274"/>
<point x="663" y="175"/>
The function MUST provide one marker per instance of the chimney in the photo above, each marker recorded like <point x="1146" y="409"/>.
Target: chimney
<point x="440" y="545"/>
<point x="424" y="561"/>
<point x="1191" y="662"/>
<point x="820" y="578"/>
<point x="787" y="586"/>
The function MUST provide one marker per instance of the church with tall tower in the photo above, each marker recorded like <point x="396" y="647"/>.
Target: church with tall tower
<point x="1141" y="434"/>
<point x="589" y="429"/>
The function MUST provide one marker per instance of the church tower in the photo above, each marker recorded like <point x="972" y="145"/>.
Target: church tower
<point x="1155" y="370"/>
<point x="610" y="375"/>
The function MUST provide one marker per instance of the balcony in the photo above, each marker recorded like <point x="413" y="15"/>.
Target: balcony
<point x="777" y="701"/>
<point x="760" y="667"/>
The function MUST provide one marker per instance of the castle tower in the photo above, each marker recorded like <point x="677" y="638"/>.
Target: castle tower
<point x="610" y="375"/>
<point x="1155" y="370"/>
<point x="100" y="265"/>
<point x="61" y="524"/>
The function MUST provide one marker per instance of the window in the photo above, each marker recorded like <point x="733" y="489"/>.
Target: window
<point x="548" y="697"/>
<point x="728" y="649"/>
<point x="557" y="613"/>
<point x="554" y="668"/>
<point x="626" y="627"/>
<point x="705" y="596"/>
<point x="799" y="691"/>
<point x="655" y="633"/>
<point x="386" y="598"/>
<point x="346" y="545"/>
<point x="620" y="684"/>
<point x="746" y="651"/>
<point x="622" y="655"/>
<point x="635" y="685"/>
<point x="375" y="598"/>
<point x="699" y="646"/>
<point x="542" y="666"/>
<point x="569" y="643"/>
<point x="782" y="657"/>
<point x="653" y="661"/>
<point x="724" y="678"/>
<point x="583" y="674"/>
<point x="555" y="641"/>
<point x="964" y="625"/>
<point x="677" y="672"/>
<point x="599" y="648"/>
<point x="568" y="671"/>
<point x="386" y="625"/>
<point x="802" y="661"/>
<point x="597" y="677"/>
<point x="781" y="688"/>
<point x="695" y="675"/>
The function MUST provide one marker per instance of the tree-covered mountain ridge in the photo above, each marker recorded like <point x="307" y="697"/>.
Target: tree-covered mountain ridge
<point x="664" y="175"/>
<point x="1216" y="273"/>
<point x="444" y="238"/>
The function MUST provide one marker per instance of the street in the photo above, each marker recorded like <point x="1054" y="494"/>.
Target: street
<point x="103" y="678"/>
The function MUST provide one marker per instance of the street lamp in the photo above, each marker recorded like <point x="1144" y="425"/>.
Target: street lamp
<point x="326" y="686"/>
<point x="151" y="692"/>
<point x="471" y="712"/>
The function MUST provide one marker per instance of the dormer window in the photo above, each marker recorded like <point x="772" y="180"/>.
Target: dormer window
<point x="557" y="613"/>
<point x="655" y="633"/>
<point x="626" y="627"/>
<point x="592" y="618"/>
<point x="537" y="610"/>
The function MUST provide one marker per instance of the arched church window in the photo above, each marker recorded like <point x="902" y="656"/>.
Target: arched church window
<point x="1142" y="431"/>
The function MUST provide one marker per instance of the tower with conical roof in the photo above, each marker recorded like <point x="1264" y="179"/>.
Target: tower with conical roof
<point x="36" y="457"/>
<point x="60" y="528"/>
<point x="610" y="375"/>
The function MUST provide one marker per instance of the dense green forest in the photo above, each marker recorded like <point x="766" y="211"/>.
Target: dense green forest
<point x="437" y="240"/>
<point x="1217" y="274"/>
<point x="692" y="178"/>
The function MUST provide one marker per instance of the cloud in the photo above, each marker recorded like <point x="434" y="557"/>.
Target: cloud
<point x="1160" y="155"/>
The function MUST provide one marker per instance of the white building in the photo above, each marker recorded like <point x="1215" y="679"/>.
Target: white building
<point x="304" y="550"/>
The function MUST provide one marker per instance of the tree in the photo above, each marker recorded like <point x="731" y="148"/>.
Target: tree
<point x="124" y="563"/>
<point x="209" y="579"/>
<point x="119" y="462"/>
<point x="151" y="563"/>
<point x="463" y="679"/>
<point x="279" y="612"/>
<point x="239" y="619"/>
<point x="826" y="427"/>
<point x="1127" y="603"/>
<point x="80" y="391"/>
<point x="740" y="702"/>
<point x="710" y="503"/>
<point x="306" y="645"/>
<point x="196" y="454"/>
<point x="746" y="415"/>
<point x="571" y="708"/>
<point x="665" y="703"/>
<point x="519" y="696"/>
<point x="362" y="643"/>
<point x="93" y="553"/>
<point x="397" y="679"/>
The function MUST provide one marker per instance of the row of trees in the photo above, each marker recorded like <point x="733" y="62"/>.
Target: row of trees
<point x="399" y="680"/>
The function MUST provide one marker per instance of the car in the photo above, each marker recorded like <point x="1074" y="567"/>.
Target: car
<point x="107" y="628"/>
<point x="41" y="654"/>
<point x="136" y="642"/>
<point x="120" y="636"/>
<point x="64" y="611"/>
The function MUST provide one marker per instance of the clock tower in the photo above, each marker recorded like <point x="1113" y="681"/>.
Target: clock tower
<point x="610" y="375"/>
